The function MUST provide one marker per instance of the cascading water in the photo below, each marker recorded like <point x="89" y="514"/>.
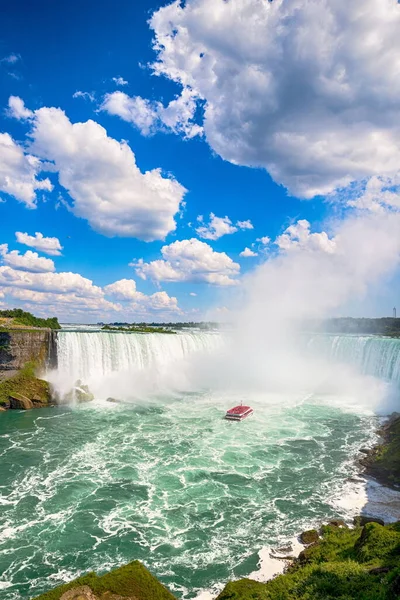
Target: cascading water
<point x="370" y="355"/>
<point x="100" y="357"/>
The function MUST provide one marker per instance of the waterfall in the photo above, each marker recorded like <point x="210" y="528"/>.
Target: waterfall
<point x="103" y="359"/>
<point x="371" y="355"/>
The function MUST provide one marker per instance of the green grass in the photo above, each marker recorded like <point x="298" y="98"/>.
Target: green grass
<point x="138" y="329"/>
<point x="27" y="384"/>
<point x="130" y="581"/>
<point x="338" y="567"/>
<point x="26" y="319"/>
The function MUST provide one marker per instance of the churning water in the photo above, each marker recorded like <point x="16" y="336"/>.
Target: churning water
<point x="168" y="481"/>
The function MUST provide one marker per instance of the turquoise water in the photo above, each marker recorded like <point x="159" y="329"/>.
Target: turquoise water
<point x="168" y="482"/>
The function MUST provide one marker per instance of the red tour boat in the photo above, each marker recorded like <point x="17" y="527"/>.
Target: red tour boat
<point x="238" y="413"/>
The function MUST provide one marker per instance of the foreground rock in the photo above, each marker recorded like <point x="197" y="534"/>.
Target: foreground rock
<point x="383" y="462"/>
<point x="344" y="564"/>
<point x="20" y="402"/>
<point x="24" y="391"/>
<point x="79" y="393"/>
<point x="131" y="582"/>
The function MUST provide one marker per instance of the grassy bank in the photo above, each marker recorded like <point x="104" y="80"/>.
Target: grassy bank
<point x="361" y="564"/>
<point x="133" y="582"/>
<point x="17" y="317"/>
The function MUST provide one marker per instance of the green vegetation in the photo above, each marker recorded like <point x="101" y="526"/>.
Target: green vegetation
<point x="383" y="462"/>
<point x="137" y="329"/>
<point x="132" y="581"/>
<point x="25" y="383"/>
<point x="206" y="325"/>
<point x="17" y="316"/>
<point x="346" y="564"/>
<point x="385" y="326"/>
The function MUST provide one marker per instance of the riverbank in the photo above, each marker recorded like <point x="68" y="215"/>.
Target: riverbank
<point x="383" y="461"/>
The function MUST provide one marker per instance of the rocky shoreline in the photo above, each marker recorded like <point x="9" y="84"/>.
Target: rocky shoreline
<point x="382" y="462"/>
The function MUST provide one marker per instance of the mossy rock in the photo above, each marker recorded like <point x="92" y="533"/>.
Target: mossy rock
<point x="25" y="384"/>
<point x="20" y="402"/>
<point x="132" y="581"/>
<point x="309" y="537"/>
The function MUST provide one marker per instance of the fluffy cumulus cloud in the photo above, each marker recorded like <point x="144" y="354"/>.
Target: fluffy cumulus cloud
<point x="18" y="172"/>
<point x="57" y="283"/>
<point x="307" y="89"/>
<point x="17" y="108"/>
<point x="125" y="290"/>
<point x="219" y="226"/>
<point x="247" y="253"/>
<point x="48" y="245"/>
<point x="101" y="176"/>
<point x="190" y="260"/>
<point x="149" y="117"/>
<point x="265" y="240"/>
<point x="30" y="261"/>
<point x="299" y="236"/>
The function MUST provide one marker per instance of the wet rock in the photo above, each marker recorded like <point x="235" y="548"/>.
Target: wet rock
<point x="79" y="593"/>
<point x="365" y="450"/>
<point x="284" y="549"/>
<point x="20" y="402"/>
<point x="337" y="523"/>
<point x="113" y="400"/>
<point x="363" y="520"/>
<point x="79" y="393"/>
<point x="2" y="409"/>
<point x="309" y="537"/>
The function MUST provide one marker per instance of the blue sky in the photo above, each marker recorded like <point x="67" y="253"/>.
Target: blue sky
<point x="50" y="51"/>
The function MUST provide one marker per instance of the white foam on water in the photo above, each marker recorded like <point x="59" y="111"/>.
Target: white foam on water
<point x="5" y="584"/>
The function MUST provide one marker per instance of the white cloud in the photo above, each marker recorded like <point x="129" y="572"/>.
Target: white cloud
<point x="219" y="226"/>
<point x="192" y="294"/>
<point x="102" y="178"/>
<point x="125" y="290"/>
<point x="11" y="59"/>
<point x="119" y="81"/>
<point x="149" y="117"/>
<point x="56" y="283"/>
<point x="30" y="261"/>
<point x="377" y="195"/>
<point x="85" y="95"/>
<point x="48" y="245"/>
<point x="17" y="108"/>
<point x="307" y="89"/>
<point x="245" y="224"/>
<point x="265" y="240"/>
<point x="247" y="253"/>
<point x="216" y="228"/>
<point x="298" y="236"/>
<point x="57" y="302"/>
<point x="190" y="260"/>
<point x="18" y="172"/>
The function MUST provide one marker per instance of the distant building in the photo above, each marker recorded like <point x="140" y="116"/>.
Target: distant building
<point x="394" y="312"/>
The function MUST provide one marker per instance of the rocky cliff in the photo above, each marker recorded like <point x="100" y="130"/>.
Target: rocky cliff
<point x="24" y="354"/>
<point x="20" y="346"/>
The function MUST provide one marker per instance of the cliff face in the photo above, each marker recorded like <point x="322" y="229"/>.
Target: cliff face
<point x="19" y="346"/>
